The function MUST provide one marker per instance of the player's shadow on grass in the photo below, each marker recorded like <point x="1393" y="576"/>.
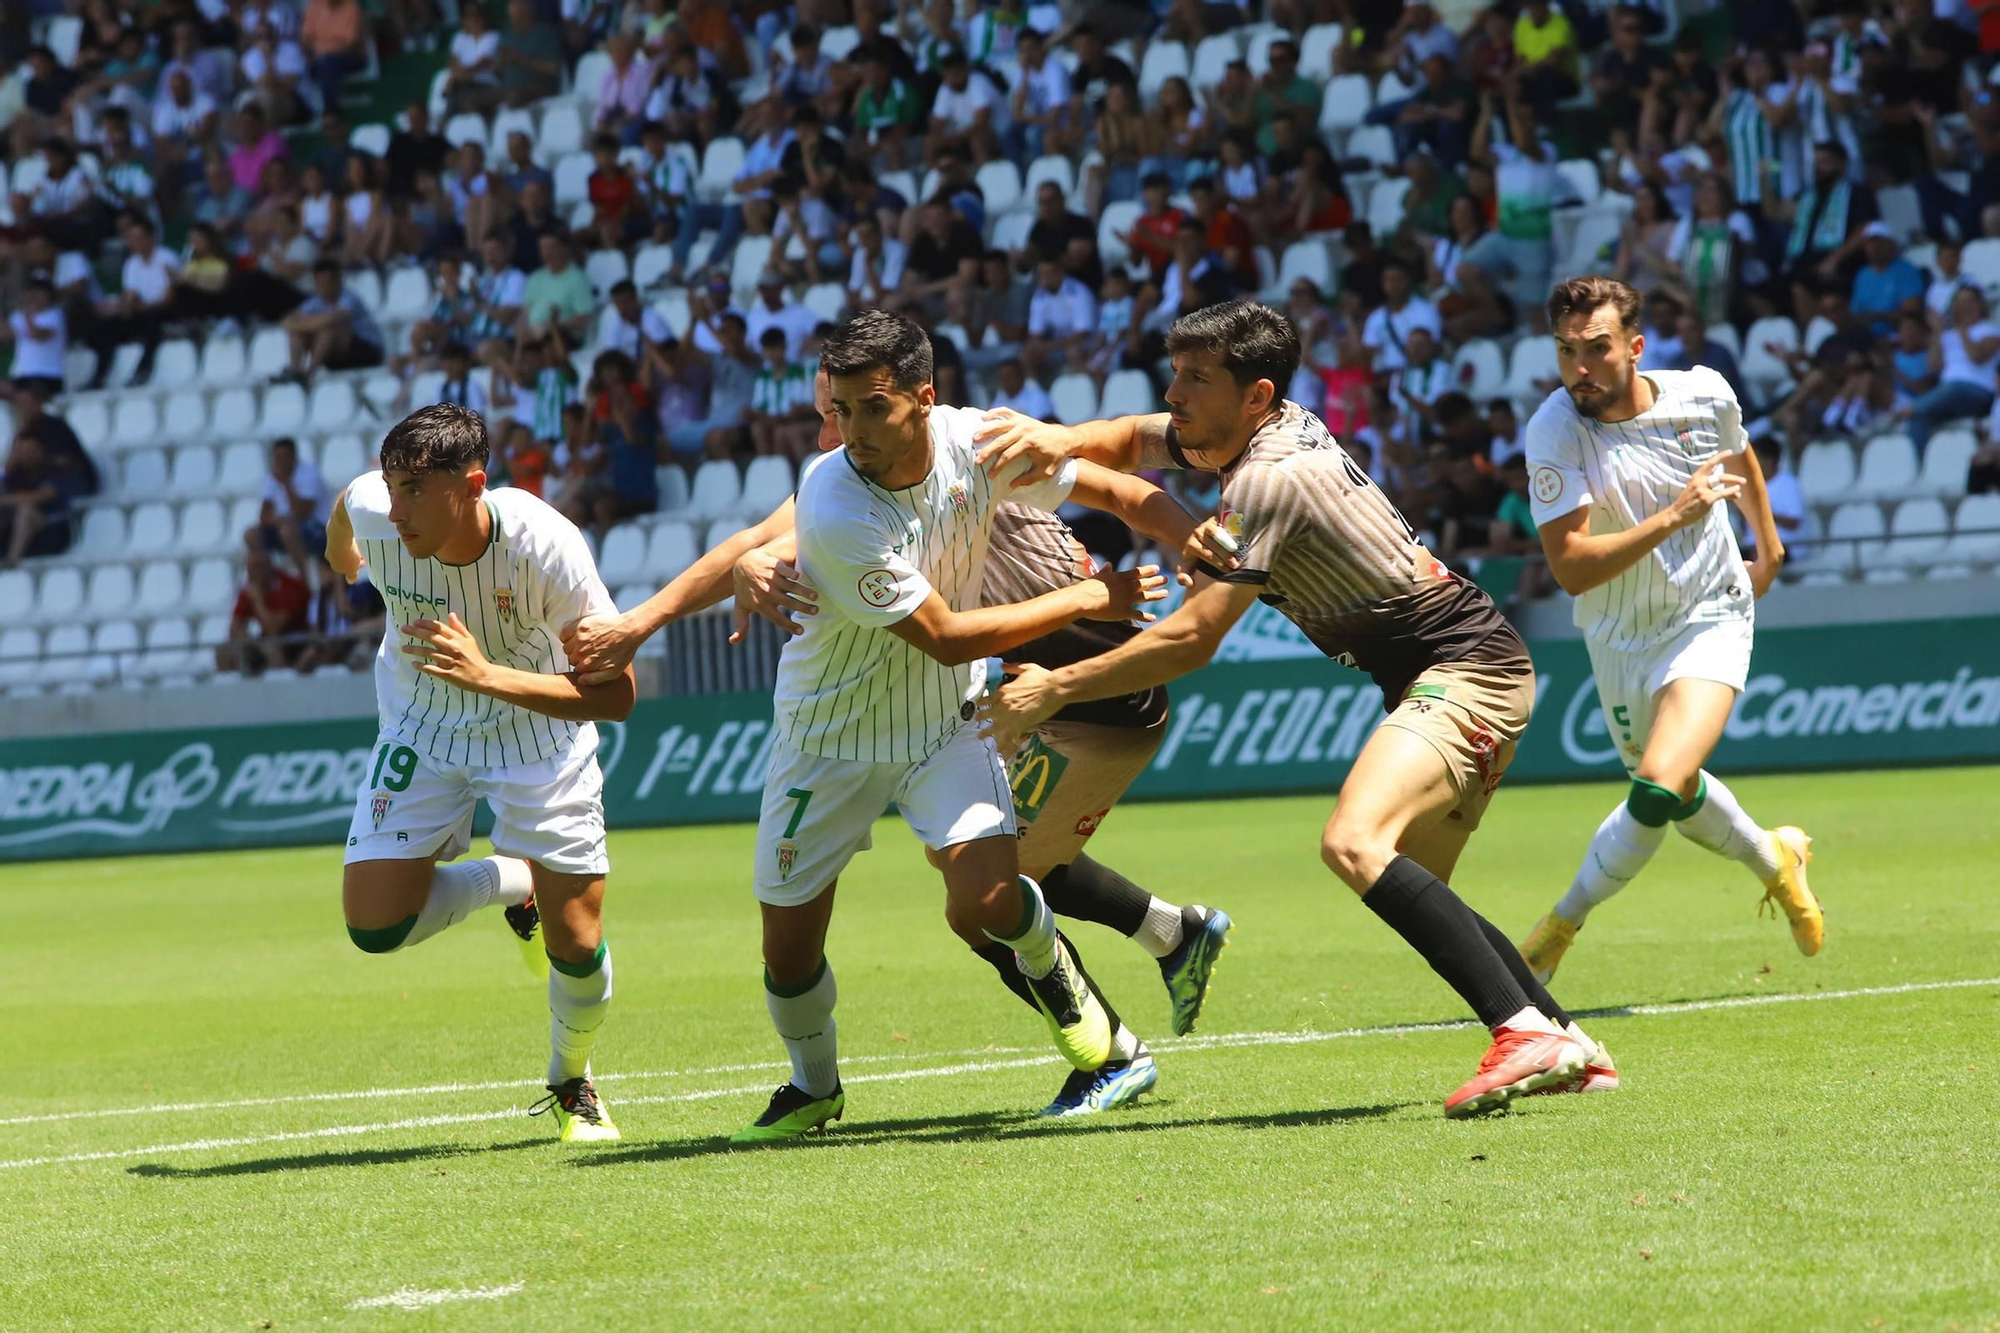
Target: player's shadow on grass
<point x="988" y="1126"/>
<point x="322" y="1160"/>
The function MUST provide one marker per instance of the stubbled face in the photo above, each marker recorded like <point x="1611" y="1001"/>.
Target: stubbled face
<point x="428" y="509"/>
<point x="881" y="425"/>
<point x="829" y="428"/>
<point x="1597" y="358"/>
<point x="1209" y="407"/>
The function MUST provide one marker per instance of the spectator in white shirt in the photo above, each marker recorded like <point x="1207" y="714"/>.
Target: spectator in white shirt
<point x="459" y="384"/>
<point x="474" y="62"/>
<point x="1017" y="391"/>
<point x="1041" y="101"/>
<point x="65" y="203"/>
<point x="774" y="310"/>
<point x="183" y="118"/>
<point x="295" y="506"/>
<point x="1387" y="330"/>
<point x="1062" y="314"/>
<point x="40" y="336"/>
<point x="1788" y="501"/>
<point x="876" y="271"/>
<point x="763" y="164"/>
<point x="630" y="325"/>
<point x="142" y="307"/>
<point x="965" y="114"/>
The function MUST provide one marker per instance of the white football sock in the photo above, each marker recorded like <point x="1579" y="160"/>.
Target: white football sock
<point x="1531" y="1019"/>
<point x="1618" y="852"/>
<point x="457" y="891"/>
<point x="1124" y="1043"/>
<point x="805" y="1024"/>
<point x="577" y="1006"/>
<point x="1722" y="827"/>
<point x="1036" y="943"/>
<point x="1160" y="933"/>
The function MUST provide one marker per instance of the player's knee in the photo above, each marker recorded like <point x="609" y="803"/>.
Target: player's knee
<point x="386" y="939"/>
<point x="1351" y="857"/>
<point x="1651" y="803"/>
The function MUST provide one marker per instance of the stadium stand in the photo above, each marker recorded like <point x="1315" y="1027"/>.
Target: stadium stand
<point x="729" y="188"/>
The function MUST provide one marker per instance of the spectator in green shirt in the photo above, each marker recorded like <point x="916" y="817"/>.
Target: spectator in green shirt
<point x="558" y="298"/>
<point x="884" y="109"/>
<point x="1283" y="86"/>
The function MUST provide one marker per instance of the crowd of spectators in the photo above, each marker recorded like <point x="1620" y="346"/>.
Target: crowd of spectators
<point x="191" y="165"/>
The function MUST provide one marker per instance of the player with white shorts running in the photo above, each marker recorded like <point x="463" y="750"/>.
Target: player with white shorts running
<point x="476" y="701"/>
<point x="1626" y="471"/>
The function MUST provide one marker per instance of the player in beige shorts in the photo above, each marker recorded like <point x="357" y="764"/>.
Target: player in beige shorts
<point x="1473" y="714"/>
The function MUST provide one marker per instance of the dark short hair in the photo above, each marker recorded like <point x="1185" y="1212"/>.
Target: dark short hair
<point x="1253" y="341"/>
<point x="1156" y="180"/>
<point x="456" y="351"/>
<point x="441" y="438"/>
<point x="285" y="442"/>
<point x="772" y="336"/>
<point x="878" y="340"/>
<point x="623" y="287"/>
<point x="1581" y="296"/>
<point x="1201" y="183"/>
<point x="604" y="143"/>
<point x="326" y="266"/>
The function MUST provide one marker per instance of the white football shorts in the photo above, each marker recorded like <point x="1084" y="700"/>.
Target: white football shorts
<point x="1628" y="683"/>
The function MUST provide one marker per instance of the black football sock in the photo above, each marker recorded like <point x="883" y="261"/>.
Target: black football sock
<point x="1084" y="890"/>
<point x="1538" y="994"/>
<point x="1436" y="923"/>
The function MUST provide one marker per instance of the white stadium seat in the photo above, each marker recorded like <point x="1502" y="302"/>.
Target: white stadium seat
<point x="1129" y="393"/>
<point x="201" y="528"/>
<point x="176" y="363"/>
<point x="211" y="585"/>
<point x="1385" y="205"/>
<point x="90" y="418"/>
<point x="186" y="416"/>
<point x="244" y="514"/>
<point x="224" y="360"/>
<point x="1164" y="60"/>
<point x="606" y="269"/>
<point x="408" y="296"/>
<point x="270" y="353"/>
<point x="334" y="406"/>
<point x="717" y="492"/>
<point x="103" y="536"/>
<point x="651" y="266"/>
<point x="561" y="130"/>
<point x="1113" y="226"/>
<point x="1826" y="472"/>
<point x="670" y="551"/>
<point x="573" y="179"/>
<point x="1307" y="259"/>
<point x="1946" y="461"/>
<point x="1212" y="57"/>
<point x="624" y="556"/>
<point x="233" y="414"/>
<point x="145" y="474"/>
<point x="673" y="483"/>
<point x="1975" y="534"/>
<point x="169" y="644"/>
<point x="136" y="422"/>
<point x="1764" y="370"/>
<point x="720" y="164"/>
<point x="162" y="591"/>
<point x="194" y="472"/>
<point x="1374" y="144"/>
<point x="1854" y="534"/>
<point x="1888" y="468"/>
<point x="464" y="128"/>
<point x="284" y="410"/>
<point x="767" y="483"/>
<point x="242" y="469"/>
<point x="1345" y="103"/>
<point x="1918" y="534"/>
<point x="1479" y="369"/>
<point x="58" y="595"/>
<point x="507" y="121"/>
<point x="110" y="591"/>
<point x="1533" y="359"/>
<point x="343" y="459"/>
<point x="1049" y="168"/>
<point x="1075" y="398"/>
<point x="1000" y="183"/>
<point x="828" y="300"/>
<point x="17" y="595"/>
<point x="372" y="139"/>
<point x="152" y="531"/>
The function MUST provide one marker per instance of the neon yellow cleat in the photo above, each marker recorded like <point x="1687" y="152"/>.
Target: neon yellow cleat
<point x="1546" y="944"/>
<point x="1075" y="1015"/>
<point x="793" y="1114"/>
<point x="1790" y="891"/>
<point x="525" y="920"/>
<point x="579" y="1112"/>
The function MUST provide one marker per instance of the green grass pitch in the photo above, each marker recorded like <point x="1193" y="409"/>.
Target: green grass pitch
<point x="1829" y="1163"/>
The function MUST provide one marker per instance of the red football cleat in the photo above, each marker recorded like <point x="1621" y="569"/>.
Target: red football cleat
<point x="1517" y="1063"/>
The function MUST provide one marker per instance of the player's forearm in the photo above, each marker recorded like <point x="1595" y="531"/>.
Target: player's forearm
<point x="562" y="697"/>
<point x="1120" y="443"/>
<point x="1581" y="563"/>
<point x="989" y="631"/>
<point x="1165" y="652"/>
<point x="711" y="579"/>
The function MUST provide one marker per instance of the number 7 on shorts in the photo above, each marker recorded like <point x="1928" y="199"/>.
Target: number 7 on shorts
<point x="803" y="795"/>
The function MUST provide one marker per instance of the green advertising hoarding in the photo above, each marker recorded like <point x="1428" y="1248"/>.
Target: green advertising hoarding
<point x="1834" y="697"/>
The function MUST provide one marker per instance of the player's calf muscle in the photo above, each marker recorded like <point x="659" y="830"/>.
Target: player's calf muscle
<point x="377" y="894"/>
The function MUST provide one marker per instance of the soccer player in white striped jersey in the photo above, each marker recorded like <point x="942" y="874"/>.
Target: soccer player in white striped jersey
<point x="1627" y="471"/>
<point x="476" y="701"/>
<point x="874" y="701"/>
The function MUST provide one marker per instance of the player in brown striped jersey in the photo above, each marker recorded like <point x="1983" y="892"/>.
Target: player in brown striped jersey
<point x="1319" y="541"/>
<point x="1064" y="784"/>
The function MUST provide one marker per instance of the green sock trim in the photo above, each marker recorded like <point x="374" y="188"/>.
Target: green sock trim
<point x="1651" y="804"/>
<point x="1693" y="807"/>
<point x="794" y="991"/>
<point x="1028" y="913"/>
<point x="582" y="969"/>
<point x="386" y="940"/>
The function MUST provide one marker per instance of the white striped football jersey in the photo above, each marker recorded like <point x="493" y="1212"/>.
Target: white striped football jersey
<point x="848" y="688"/>
<point x="1627" y="471"/>
<point x="535" y="574"/>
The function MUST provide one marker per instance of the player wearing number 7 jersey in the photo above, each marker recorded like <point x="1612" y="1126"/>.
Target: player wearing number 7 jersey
<point x="1322" y="544"/>
<point x="476" y="701"/>
<point x="1626" y="471"/>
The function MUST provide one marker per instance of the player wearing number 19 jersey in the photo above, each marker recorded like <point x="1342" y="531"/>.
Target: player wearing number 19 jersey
<point x="476" y="701"/>
<point x="1626" y="471"/>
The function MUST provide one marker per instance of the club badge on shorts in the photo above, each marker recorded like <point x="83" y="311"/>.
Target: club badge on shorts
<point x="788" y="855"/>
<point x="380" y="809"/>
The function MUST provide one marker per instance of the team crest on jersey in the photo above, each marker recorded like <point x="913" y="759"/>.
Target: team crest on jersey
<point x="380" y="809"/>
<point x="503" y="602"/>
<point x="788" y="855"/>
<point x="961" y="504"/>
<point x="1686" y="437"/>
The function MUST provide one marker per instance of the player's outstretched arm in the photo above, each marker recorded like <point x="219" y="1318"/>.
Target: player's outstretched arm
<point x="1123" y="444"/>
<point x="1753" y="501"/>
<point x="342" y="551"/>
<point x="1181" y="643"/>
<point x="599" y="645"/>
<point x="1151" y="512"/>
<point x="957" y="637"/>
<point x="447" y="650"/>
<point x="1581" y="561"/>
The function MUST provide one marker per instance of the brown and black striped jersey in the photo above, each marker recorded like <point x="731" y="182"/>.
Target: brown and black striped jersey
<point x="1335" y="557"/>
<point x="1031" y="553"/>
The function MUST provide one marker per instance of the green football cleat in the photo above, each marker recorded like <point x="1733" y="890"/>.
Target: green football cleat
<point x="1075" y="1015"/>
<point x="579" y="1112"/>
<point x="525" y="920"/>
<point x="1189" y="969"/>
<point x="793" y="1114"/>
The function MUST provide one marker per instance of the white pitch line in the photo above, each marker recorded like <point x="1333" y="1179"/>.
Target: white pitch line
<point x="413" y="1298"/>
<point x="1220" y="1041"/>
